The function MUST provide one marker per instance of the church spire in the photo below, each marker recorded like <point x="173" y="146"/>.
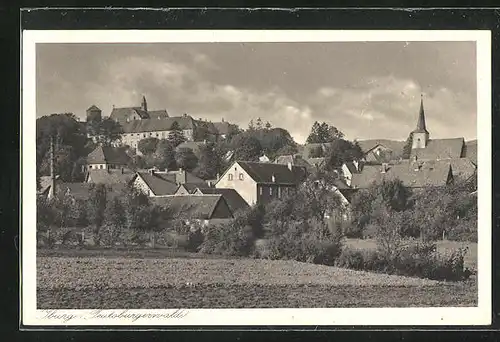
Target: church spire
<point x="420" y="136"/>
<point x="144" y="104"/>
<point x="421" y="117"/>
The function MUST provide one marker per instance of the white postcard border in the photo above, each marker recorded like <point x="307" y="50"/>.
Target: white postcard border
<point x="480" y="315"/>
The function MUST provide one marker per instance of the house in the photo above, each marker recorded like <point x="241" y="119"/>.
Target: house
<point x="316" y="162"/>
<point x="128" y="114"/>
<point x="46" y="184"/>
<point x="349" y="168"/>
<point x="82" y="191"/>
<point x="204" y="209"/>
<point x="294" y="159"/>
<point x="107" y="158"/>
<point x="135" y="131"/>
<point x="189" y="188"/>
<point x="414" y="174"/>
<point x="261" y="182"/>
<point x="161" y="183"/>
<point x="233" y="199"/>
<point x="424" y="148"/>
<point x="377" y="151"/>
<point x="264" y="159"/>
<point x="224" y="128"/>
<point x="470" y="150"/>
<point x="195" y="146"/>
<point x="109" y="176"/>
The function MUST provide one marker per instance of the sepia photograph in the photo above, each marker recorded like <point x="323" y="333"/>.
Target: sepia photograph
<point x="337" y="175"/>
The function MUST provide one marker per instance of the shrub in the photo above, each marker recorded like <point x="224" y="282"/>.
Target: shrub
<point x="463" y="230"/>
<point x="417" y="260"/>
<point x="195" y="239"/>
<point x="228" y="239"/>
<point x="109" y="235"/>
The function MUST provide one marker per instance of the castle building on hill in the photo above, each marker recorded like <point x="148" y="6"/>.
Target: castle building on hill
<point x="140" y="123"/>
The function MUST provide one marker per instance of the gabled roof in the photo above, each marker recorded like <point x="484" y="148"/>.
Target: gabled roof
<point x="233" y="199"/>
<point x="429" y="174"/>
<point x="111" y="176"/>
<point x="224" y="127"/>
<point x="159" y="183"/>
<point x="154" y="124"/>
<point x="316" y="161"/>
<point x="81" y="191"/>
<point x="46" y="183"/>
<point x="108" y="155"/>
<point x="93" y="107"/>
<point x="440" y="149"/>
<point x="161" y="113"/>
<point x="121" y="114"/>
<point x="470" y="150"/>
<point x="191" y="206"/>
<point x="351" y="167"/>
<point x="462" y="168"/>
<point x="394" y="145"/>
<point x="264" y="172"/>
<point x="296" y="160"/>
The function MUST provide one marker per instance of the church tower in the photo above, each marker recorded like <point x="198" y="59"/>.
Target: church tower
<point x="420" y="136"/>
<point x="144" y="104"/>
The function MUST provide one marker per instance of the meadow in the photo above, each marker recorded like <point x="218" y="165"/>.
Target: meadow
<point x="110" y="279"/>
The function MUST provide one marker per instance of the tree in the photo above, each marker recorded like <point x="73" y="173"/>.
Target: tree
<point x="316" y="152"/>
<point x="251" y="125"/>
<point x="246" y="147"/>
<point x="272" y="140"/>
<point x="407" y="148"/>
<point x="115" y="221"/>
<point x="268" y="125"/>
<point x="340" y="151"/>
<point x="105" y="132"/>
<point x="323" y="133"/>
<point x="70" y="143"/>
<point x="147" y="146"/>
<point x="97" y="208"/>
<point x="287" y="150"/>
<point x="176" y="136"/>
<point x="258" y="124"/>
<point x="186" y="159"/>
<point x="164" y="155"/>
<point x="201" y="131"/>
<point x="208" y="162"/>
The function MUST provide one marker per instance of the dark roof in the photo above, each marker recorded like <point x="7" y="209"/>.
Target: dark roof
<point x="154" y="124"/>
<point x="162" y="113"/>
<point x="111" y="176"/>
<point x="159" y="183"/>
<point x="108" y="155"/>
<point x="429" y="174"/>
<point x="421" y="119"/>
<point x="233" y="199"/>
<point x="46" y="183"/>
<point x="470" y="150"/>
<point x="193" y="145"/>
<point x="121" y="114"/>
<point x="394" y="145"/>
<point x="462" y="168"/>
<point x="224" y="127"/>
<point x="191" y="206"/>
<point x="93" y="107"/>
<point x="81" y="191"/>
<point x="263" y="172"/>
<point x="348" y="193"/>
<point x="440" y="149"/>
<point x="350" y="166"/>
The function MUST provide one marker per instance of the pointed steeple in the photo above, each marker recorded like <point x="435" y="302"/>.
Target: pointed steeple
<point x="421" y="118"/>
<point x="144" y="104"/>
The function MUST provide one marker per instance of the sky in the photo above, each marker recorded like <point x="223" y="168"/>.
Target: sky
<point x="368" y="90"/>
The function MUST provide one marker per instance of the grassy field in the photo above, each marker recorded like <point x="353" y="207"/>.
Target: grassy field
<point x="442" y="247"/>
<point x="117" y="282"/>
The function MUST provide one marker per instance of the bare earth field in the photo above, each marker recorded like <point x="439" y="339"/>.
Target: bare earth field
<point x="147" y="283"/>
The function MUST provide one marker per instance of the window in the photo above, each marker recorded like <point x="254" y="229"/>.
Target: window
<point x="150" y="133"/>
<point x="279" y="192"/>
<point x="270" y="191"/>
<point x="144" y="135"/>
<point x="230" y="177"/>
<point x="260" y="190"/>
<point x="157" y="135"/>
<point x="241" y="176"/>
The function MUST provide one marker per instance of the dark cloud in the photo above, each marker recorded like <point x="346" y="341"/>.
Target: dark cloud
<point x="368" y="90"/>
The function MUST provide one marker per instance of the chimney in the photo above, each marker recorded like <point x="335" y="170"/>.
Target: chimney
<point x="356" y="164"/>
<point x="122" y="170"/>
<point x="52" y="190"/>
<point x="385" y="167"/>
<point x="218" y="176"/>
<point x="289" y="166"/>
<point x="273" y="179"/>
<point x="151" y="171"/>
<point x="222" y="120"/>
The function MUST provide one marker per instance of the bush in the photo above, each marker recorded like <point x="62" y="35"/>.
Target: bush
<point x="464" y="230"/>
<point x="228" y="239"/>
<point x="305" y="242"/>
<point x="418" y="260"/>
<point x="195" y="239"/>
